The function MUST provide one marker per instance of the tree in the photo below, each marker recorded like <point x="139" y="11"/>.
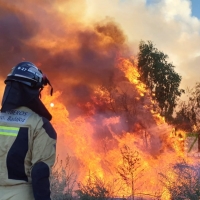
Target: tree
<point x="160" y="78"/>
<point x="188" y="118"/>
<point x="130" y="170"/>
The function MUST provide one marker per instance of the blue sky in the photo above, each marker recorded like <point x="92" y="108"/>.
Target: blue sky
<point x="196" y="8"/>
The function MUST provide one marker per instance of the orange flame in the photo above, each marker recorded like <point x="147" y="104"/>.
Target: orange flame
<point x="99" y="152"/>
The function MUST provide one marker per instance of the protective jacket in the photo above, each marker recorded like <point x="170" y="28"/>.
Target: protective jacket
<point x="27" y="153"/>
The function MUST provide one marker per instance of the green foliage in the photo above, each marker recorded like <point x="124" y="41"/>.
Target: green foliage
<point x="183" y="181"/>
<point x="160" y="77"/>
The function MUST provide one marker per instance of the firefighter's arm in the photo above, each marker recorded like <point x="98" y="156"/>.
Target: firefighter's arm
<point x="43" y="158"/>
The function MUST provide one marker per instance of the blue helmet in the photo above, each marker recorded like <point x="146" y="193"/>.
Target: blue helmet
<point x="28" y="74"/>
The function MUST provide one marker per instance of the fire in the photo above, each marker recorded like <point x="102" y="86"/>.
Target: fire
<point x="94" y="141"/>
<point x="100" y="104"/>
<point x="132" y="74"/>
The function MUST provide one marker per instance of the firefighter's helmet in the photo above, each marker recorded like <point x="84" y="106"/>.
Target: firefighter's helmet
<point x="28" y="74"/>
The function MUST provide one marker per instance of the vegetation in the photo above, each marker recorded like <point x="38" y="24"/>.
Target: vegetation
<point x="130" y="170"/>
<point x="188" y="118"/>
<point x="63" y="180"/>
<point x="160" y="78"/>
<point x="183" y="181"/>
<point x="94" y="189"/>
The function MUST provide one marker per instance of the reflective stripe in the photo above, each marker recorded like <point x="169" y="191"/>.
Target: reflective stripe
<point x="9" y="131"/>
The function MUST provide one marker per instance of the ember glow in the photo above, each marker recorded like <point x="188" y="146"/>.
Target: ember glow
<point x="52" y="104"/>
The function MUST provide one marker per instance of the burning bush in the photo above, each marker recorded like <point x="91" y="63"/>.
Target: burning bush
<point x="130" y="169"/>
<point x="183" y="181"/>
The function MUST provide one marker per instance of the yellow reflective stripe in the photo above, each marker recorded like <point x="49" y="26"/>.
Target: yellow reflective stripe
<point x="9" y="134"/>
<point x="9" y="128"/>
<point x="9" y="131"/>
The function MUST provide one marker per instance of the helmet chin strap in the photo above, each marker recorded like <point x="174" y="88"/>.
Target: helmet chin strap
<point x="45" y="82"/>
<point x="51" y="91"/>
<point x="40" y="92"/>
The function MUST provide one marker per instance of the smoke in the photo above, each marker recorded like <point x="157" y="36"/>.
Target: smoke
<point x="76" y="43"/>
<point x="169" y="24"/>
<point x="75" y="55"/>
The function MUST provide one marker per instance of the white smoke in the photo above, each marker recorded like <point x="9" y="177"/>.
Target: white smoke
<point x="168" y="24"/>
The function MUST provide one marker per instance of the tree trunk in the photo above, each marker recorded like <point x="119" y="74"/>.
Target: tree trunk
<point x="132" y="186"/>
<point x="198" y="142"/>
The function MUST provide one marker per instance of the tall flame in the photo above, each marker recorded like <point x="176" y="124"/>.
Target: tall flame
<point x="94" y="139"/>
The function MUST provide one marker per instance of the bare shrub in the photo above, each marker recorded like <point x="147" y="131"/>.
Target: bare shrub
<point x="63" y="180"/>
<point x="96" y="188"/>
<point x="182" y="181"/>
<point x="130" y="170"/>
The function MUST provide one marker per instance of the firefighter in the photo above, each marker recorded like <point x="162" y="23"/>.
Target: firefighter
<point x="27" y="138"/>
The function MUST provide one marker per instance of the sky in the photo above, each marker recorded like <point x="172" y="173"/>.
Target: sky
<point x="66" y="34"/>
<point x="196" y="8"/>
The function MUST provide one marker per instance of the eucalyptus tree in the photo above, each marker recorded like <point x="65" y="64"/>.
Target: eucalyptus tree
<point x="160" y="78"/>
